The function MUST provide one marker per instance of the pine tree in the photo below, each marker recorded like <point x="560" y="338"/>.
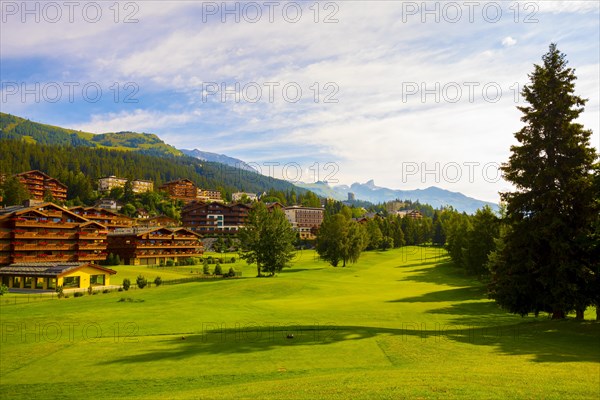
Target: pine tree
<point x="14" y="192"/>
<point x="543" y="264"/>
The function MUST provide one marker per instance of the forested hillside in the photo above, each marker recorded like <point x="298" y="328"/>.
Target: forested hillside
<point x="13" y="127"/>
<point x="80" y="168"/>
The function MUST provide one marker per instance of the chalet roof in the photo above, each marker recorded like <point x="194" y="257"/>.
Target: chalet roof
<point x="49" y="268"/>
<point x="46" y="176"/>
<point x="177" y="181"/>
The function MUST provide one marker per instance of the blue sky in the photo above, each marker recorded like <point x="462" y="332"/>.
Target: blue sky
<point x="409" y="96"/>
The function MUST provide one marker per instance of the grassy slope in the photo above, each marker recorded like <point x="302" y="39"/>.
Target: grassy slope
<point x="399" y="324"/>
<point x="124" y="141"/>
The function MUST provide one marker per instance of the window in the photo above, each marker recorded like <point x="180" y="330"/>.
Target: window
<point x="17" y="281"/>
<point x="71" y="281"/>
<point x="28" y="282"/>
<point x="39" y="283"/>
<point x="51" y="283"/>
<point x="96" y="279"/>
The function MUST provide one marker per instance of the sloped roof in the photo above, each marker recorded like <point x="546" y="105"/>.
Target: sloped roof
<point x="49" y="268"/>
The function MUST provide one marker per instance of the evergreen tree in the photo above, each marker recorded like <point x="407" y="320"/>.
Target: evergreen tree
<point x="14" y="191"/>
<point x="543" y="264"/>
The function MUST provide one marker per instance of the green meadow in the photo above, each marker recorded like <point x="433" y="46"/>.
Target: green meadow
<point x="399" y="324"/>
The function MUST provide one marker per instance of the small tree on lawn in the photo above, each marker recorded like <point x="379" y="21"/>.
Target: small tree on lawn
<point x="126" y="284"/>
<point x="141" y="282"/>
<point x="158" y="281"/>
<point x="218" y="270"/>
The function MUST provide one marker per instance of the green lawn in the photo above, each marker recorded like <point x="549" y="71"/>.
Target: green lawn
<point x="398" y="324"/>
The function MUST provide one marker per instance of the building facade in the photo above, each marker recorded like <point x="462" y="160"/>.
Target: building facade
<point x="49" y="233"/>
<point x="38" y="184"/>
<point x="110" y="219"/>
<point x="235" y="197"/>
<point x="209" y="195"/>
<point x="181" y="189"/>
<point x="154" y="246"/>
<point x="214" y="218"/>
<point x="137" y="186"/>
<point x="305" y="220"/>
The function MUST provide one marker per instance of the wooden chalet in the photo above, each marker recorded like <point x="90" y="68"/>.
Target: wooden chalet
<point x="139" y="246"/>
<point x="215" y="218"/>
<point x="38" y="184"/>
<point x="49" y="233"/>
<point x="110" y="219"/>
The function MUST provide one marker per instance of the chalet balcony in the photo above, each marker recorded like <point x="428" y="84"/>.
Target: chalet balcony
<point x="5" y="235"/>
<point x="92" y="257"/>
<point x="43" y="224"/>
<point x="21" y="234"/>
<point x="18" y="258"/>
<point x="4" y="247"/>
<point x="92" y="235"/>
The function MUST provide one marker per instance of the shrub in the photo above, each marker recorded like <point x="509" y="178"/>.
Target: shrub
<point x="126" y="284"/>
<point x="231" y="272"/>
<point x="170" y="263"/>
<point x="161" y="263"/>
<point x="206" y="269"/>
<point x="158" y="281"/>
<point x="218" y="270"/>
<point x="78" y="294"/>
<point x="120" y="289"/>
<point x="141" y="282"/>
<point x="59" y="292"/>
<point x="117" y="260"/>
<point x="106" y="291"/>
<point x="90" y="290"/>
<point x="232" y="260"/>
<point x="3" y="290"/>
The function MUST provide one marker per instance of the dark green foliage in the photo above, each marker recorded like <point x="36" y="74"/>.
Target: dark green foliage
<point x="341" y="240"/>
<point x="126" y="284"/>
<point x="80" y="169"/>
<point x="218" y="269"/>
<point x="231" y="272"/>
<point x="267" y="240"/>
<point x="386" y="243"/>
<point x="205" y="268"/>
<point x="78" y="294"/>
<point x="14" y="192"/>
<point x="543" y="262"/>
<point x="141" y="282"/>
<point x="158" y="281"/>
<point x="3" y="289"/>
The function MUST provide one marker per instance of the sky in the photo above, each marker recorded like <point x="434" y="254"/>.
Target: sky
<point x="410" y="94"/>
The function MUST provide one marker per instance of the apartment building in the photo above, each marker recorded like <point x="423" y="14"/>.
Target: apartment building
<point x="49" y="233"/>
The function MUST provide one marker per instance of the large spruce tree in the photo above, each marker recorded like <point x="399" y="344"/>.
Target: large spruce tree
<point x="543" y="262"/>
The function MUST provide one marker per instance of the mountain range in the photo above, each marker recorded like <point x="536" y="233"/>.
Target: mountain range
<point x="368" y="191"/>
<point x="218" y="158"/>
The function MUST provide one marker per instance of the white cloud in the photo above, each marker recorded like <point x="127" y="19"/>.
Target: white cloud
<point x="395" y="79"/>
<point x="508" y="41"/>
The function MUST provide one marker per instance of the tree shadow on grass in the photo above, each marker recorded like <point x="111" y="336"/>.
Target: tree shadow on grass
<point x="291" y="270"/>
<point x="444" y="273"/>
<point x="545" y="341"/>
<point x="458" y="294"/>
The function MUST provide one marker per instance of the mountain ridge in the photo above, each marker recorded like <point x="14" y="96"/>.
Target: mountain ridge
<point x="368" y="191"/>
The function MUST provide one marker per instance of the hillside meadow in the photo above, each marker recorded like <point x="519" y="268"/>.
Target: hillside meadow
<point x="399" y="324"/>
